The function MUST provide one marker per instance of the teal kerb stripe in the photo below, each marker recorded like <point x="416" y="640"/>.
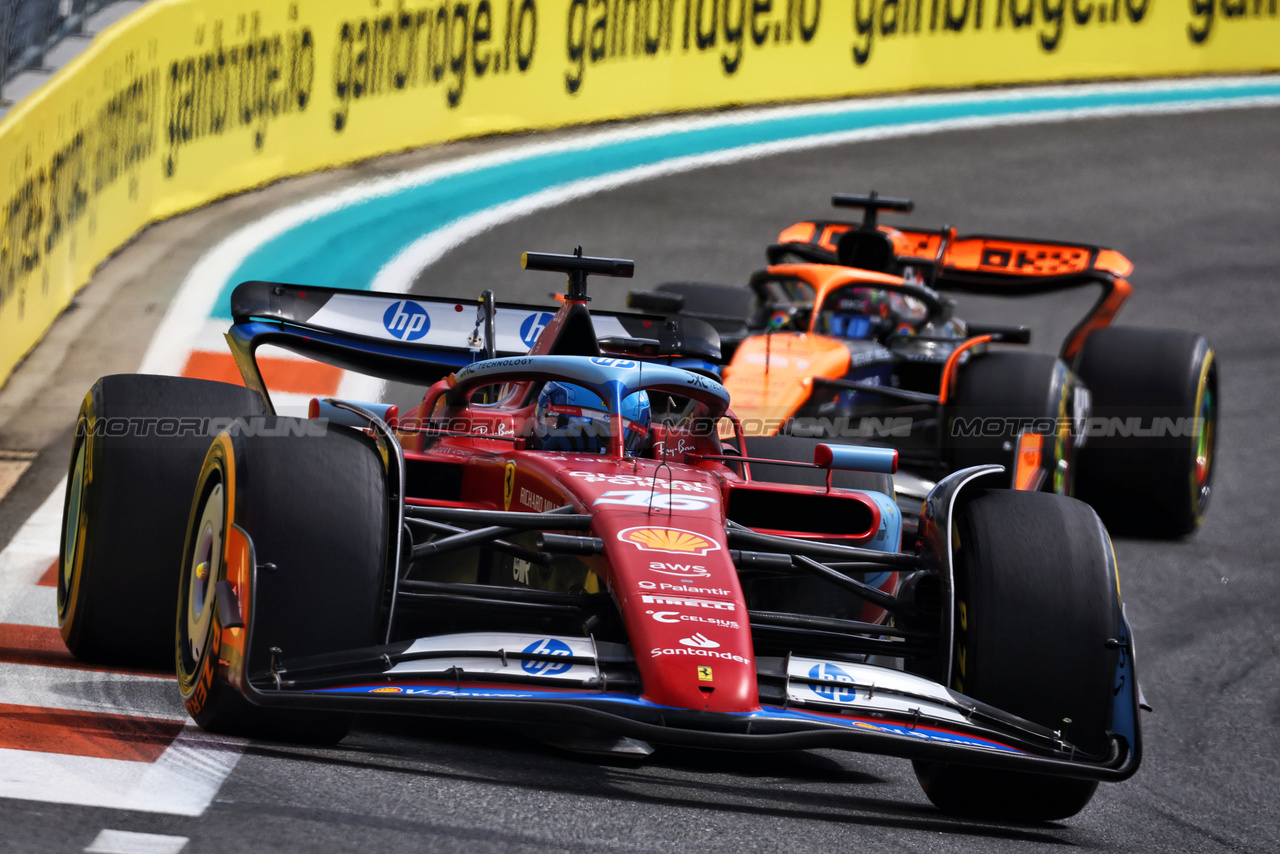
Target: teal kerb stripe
<point x="346" y="248"/>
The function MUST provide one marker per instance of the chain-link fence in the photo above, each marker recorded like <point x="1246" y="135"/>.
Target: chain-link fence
<point x="29" y="28"/>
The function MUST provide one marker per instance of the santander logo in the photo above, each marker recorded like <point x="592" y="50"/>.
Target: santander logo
<point x="700" y="641"/>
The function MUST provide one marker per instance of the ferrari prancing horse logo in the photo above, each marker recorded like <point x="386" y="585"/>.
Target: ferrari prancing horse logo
<point x="508" y="484"/>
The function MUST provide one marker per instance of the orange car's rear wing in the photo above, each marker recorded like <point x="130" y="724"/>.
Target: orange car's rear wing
<point x="978" y="264"/>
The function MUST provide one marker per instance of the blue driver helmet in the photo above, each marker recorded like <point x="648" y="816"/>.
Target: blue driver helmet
<point x="870" y="312"/>
<point x="572" y="418"/>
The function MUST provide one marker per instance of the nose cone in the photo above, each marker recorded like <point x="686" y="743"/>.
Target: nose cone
<point x="684" y="611"/>
<point x="667" y="564"/>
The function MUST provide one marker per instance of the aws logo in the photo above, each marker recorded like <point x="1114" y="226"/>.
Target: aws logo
<point x="670" y="540"/>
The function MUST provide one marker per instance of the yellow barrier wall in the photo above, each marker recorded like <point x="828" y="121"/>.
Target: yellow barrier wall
<point x="189" y="100"/>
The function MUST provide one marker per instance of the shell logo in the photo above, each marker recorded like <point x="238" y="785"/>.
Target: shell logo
<point x="669" y="540"/>
<point x="390" y="689"/>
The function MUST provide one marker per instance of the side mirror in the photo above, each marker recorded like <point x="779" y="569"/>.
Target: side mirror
<point x="388" y="412"/>
<point x="856" y="458"/>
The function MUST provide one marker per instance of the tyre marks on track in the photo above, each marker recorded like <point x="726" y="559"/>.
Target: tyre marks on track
<point x="77" y="733"/>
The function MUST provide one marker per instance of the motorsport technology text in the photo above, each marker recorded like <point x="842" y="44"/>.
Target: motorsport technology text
<point x="187" y="101"/>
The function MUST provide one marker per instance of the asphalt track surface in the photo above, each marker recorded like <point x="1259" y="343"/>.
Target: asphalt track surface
<point x="1192" y="201"/>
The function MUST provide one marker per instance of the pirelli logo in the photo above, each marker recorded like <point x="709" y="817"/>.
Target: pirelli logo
<point x="686" y="602"/>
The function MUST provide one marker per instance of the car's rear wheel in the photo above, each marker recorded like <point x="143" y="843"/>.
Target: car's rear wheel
<point x="997" y="397"/>
<point x="136" y="454"/>
<point x="1037" y="600"/>
<point x="1164" y="383"/>
<point x="314" y="506"/>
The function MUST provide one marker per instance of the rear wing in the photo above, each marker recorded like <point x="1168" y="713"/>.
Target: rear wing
<point x="978" y="264"/>
<point x="421" y="339"/>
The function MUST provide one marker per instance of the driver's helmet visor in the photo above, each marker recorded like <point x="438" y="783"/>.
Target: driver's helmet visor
<point x="565" y="424"/>
<point x="578" y="429"/>
<point x="862" y="312"/>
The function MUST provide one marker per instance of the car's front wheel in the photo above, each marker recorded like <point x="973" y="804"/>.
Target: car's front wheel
<point x="313" y="504"/>
<point x="1037" y="601"/>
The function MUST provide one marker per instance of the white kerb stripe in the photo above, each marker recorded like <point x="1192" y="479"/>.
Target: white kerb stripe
<point x="128" y="842"/>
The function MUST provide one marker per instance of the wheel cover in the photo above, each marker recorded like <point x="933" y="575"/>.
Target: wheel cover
<point x="200" y="576"/>
<point x="71" y="528"/>
<point x="1207" y="417"/>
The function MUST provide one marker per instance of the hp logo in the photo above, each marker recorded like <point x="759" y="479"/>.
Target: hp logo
<point x="406" y="320"/>
<point x="834" y="693"/>
<point x="547" y="646"/>
<point x="533" y="326"/>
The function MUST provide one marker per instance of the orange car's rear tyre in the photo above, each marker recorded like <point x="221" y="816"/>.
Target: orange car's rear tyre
<point x="136" y="454"/>
<point x="1036" y="602"/>
<point x="1162" y="382"/>
<point x="314" y="505"/>
<point x="999" y="395"/>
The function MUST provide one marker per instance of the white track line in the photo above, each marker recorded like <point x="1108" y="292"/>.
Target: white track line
<point x="90" y="691"/>
<point x="399" y="274"/>
<point x="128" y="842"/>
<point x="198" y="294"/>
<point x="186" y="777"/>
<point x="183" y="781"/>
<point x="191" y="771"/>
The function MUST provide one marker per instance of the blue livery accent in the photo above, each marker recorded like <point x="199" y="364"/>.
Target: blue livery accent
<point x="547" y="646"/>
<point x="406" y="320"/>
<point x="889" y="537"/>
<point x="344" y="247"/>
<point x="347" y="418"/>
<point x="612" y="379"/>
<point x="919" y="731"/>
<point x="856" y="458"/>
<point x="844" y="693"/>
<point x="533" y="326"/>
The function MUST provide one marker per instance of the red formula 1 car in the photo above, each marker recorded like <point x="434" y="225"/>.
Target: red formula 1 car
<point x="559" y="538"/>
<point x="851" y="333"/>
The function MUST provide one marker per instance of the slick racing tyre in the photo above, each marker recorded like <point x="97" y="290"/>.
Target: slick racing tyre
<point x="997" y="396"/>
<point x="1164" y="383"/>
<point x="1037" y="600"/>
<point x="136" y="454"/>
<point x="313" y="506"/>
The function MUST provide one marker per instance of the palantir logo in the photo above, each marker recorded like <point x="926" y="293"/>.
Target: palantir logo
<point x="533" y="326"/>
<point x="834" y="693"/>
<point x="547" y="646"/>
<point x="406" y="320"/>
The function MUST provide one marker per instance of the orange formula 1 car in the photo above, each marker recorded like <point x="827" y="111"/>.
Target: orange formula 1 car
<point x="850" y="333"/>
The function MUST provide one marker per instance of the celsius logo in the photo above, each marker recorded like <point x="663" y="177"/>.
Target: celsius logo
<point x="547" y="646"/>
<point x="533" y="326"/>
<point x="406" y="320"/>
<point x="700" y="641"/>
<point x="843" y="693"/>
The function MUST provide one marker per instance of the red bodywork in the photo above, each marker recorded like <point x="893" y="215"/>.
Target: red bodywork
<point x="666" y="561"/>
